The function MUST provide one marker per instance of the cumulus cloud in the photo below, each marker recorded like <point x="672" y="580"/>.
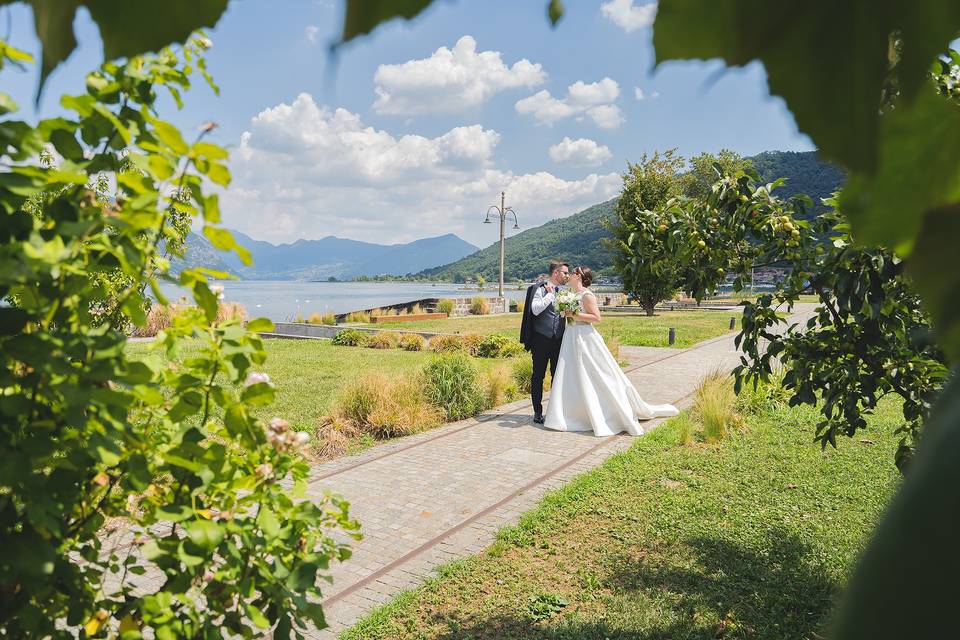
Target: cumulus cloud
<point x="639" y="94"/>
<point x="628" y="17"/>
<point x="580" y="152"/>
<point x="312" y="32"/>
<point x="303" y="170"/>
<point x="593" y="101"/>
<point x="450" y="80"/>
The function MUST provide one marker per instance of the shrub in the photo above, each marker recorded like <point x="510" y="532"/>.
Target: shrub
<point x="446" y="306"/>
<point x="451" y="383"/>
<point x="350" y="338"/>
<point x="715" y="406"/>
<point x="333" y="437"/>
<point x="385" y="408"/>
<point x="326" y="318"/>
<point x="412" y="342"/>
<point x="479" y="306"/>
<point x="500" y="386"/>
<point x="159" y="318"/>
<point x="498" y="346"/>
<point x="361" y="317"/>
<point x="89" y="434"/>
<point x="519" y="306"/>
<point x="231" y="312"/>
<point x="382" y="340"/>
<point x="448" y="344"/>
<point x="522" y="372"/>
<point x="765" y="396"/>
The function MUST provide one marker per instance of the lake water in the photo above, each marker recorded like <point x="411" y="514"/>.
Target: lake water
<point x="283" y="299"/>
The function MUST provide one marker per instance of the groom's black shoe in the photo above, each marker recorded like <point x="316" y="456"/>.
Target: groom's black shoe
<point x="538" y="418"/>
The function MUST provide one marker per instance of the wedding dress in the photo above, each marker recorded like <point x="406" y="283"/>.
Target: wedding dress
<point x="591" y="392"/>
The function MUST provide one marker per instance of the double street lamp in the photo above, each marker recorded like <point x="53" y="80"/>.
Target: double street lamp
<point x="503" y="211"/>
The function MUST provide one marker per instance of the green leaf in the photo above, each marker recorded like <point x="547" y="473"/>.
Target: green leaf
<point x="257" y="617"/>
<point x="260" y="325"/>
<point x="53" y="20"/>
<point x="939" y="287"/>
<point x="363" y="16"/>
<point x="555" y="11"/>
<point x="222" y="239"/>
<point x="174" y="513"/>
<point x="7" y="104"/>
<point x="269" y="523"/>
<point x="260" y="394"/>
<point x="170" y="136"/>
<point x="919" y="170"/>
<point x="814" y="53"/>
<point x="206" y="534"/>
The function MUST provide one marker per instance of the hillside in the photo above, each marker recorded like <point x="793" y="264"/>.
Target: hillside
<point x="329" y="257"/>
<point x="579" y="238"/>
<point x="576" y="239"/>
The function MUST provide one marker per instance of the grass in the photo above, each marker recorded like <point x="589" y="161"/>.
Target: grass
<point x="752" y="538"/>
<point x="692" y="326"/>
<point x="308" y="374"/>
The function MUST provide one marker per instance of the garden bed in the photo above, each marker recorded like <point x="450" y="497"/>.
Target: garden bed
<point x="407" y="318"/>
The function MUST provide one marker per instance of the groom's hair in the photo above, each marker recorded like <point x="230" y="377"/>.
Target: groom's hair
<point x="556" y="264"/>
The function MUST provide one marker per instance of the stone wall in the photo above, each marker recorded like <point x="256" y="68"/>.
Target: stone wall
<point x="461" y="306"/>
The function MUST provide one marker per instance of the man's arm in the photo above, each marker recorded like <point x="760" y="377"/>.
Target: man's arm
<point x="541" y="300"/>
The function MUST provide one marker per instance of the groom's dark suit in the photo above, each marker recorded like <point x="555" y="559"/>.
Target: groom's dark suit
<point x="541" y="334"/>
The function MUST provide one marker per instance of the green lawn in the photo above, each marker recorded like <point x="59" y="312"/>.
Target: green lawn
<point x="692" y="326"/>
<point x="753" y="538"/>
<point x="308" y="373"/>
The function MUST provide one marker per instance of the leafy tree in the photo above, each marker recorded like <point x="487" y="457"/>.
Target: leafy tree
<point x="91" y="204"/>
<point x="649" y="231"/>
<point x="481" y="281"/>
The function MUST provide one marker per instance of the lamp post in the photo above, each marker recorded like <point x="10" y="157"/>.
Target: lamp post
<point x="503" y="211"/>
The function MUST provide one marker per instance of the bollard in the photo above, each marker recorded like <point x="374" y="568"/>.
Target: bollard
<point x="672" y="336"/>
<point x="733" y="322"/>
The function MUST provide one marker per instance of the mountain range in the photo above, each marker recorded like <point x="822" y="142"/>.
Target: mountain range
<point x="578" y="238"/>
<point x="326" y="258"/>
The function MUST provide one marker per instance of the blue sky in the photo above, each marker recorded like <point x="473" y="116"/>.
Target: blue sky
<point x="413" y="131"/>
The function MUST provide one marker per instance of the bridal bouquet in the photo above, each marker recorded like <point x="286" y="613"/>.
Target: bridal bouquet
<point x="568" y="301"/>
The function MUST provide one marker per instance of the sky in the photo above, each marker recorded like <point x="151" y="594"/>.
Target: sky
<point x="415" y="130"/>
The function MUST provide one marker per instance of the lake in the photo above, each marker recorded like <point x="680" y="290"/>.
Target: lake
<point x="283" y="299"/>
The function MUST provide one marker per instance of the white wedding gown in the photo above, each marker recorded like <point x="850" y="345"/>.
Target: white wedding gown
<point x="591" y="392"/>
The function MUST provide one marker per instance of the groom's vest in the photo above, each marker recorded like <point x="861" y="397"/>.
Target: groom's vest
<point x="548" y="322"/>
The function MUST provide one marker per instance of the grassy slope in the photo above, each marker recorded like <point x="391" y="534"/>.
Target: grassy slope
<point x="752" y="539"/>
<point x="308" y="374"/>
<point x="691" y="326"/>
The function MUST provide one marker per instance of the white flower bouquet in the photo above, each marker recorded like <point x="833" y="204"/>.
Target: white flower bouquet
<point x="567" y="300"/>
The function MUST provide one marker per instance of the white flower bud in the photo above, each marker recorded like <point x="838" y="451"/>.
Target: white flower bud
<point x="255" y="378"/>
<point x="208" y="576"/>
<point x="279" y="425"/>
<point x="303" y="438"/>
<point x="264" y="470"/>
<point x="204" y="43"/>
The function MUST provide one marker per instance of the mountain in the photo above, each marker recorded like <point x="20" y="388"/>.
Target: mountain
<point x="329" y="257"/>
<point x="198" y="252"/>
<point x="578" y="238"/>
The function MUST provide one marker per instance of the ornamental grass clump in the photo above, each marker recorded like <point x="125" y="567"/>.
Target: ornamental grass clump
<point x="382" y="340"/>
<point x="446" y="306"/>
<point x="350" y="338"/>
<point x="479" y="306"/>
<point x="452" y="383"/>
<point x="411" y="342"/>
<point x="384" y="407"/>
<point x="715" y="406"/>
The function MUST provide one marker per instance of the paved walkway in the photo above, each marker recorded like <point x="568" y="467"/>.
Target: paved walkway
<point x="438" y="496"/>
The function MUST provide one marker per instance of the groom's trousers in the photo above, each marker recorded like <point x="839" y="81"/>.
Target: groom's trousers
<point x="544" y="350"/>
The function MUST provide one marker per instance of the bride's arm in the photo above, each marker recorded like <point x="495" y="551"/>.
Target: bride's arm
<point x="589" y="312"/>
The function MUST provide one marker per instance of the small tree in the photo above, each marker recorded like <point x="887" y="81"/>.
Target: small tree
<point x="481" y="281"/>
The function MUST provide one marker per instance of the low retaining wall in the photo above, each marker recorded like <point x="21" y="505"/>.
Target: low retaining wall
<point x="312" y="331"/>
<point x="408" y="318"/>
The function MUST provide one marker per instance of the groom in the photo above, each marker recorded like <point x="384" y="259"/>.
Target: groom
<point x="541" y="330"/>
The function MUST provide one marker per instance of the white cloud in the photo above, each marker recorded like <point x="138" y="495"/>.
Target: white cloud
<point x="450" y="80"/>
<point x="640" y="95"/>
<point x="305" y="171"/>
<point x="580" y="152"/>
<point x="594" y="101"/>
<point x="312" y="32"/>
<point x="628" y="17"/>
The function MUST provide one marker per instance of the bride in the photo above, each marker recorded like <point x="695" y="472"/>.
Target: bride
<point x="590" y="391"/>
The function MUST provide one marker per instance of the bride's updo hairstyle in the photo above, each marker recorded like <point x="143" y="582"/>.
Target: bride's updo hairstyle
<point x="586" y="275"/>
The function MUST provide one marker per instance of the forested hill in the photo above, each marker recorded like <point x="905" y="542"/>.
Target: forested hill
<point x="575" y="239"/>
<point x="578" y="238"/>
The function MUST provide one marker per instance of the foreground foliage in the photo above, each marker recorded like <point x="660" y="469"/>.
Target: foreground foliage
<point x="91" y="205"/>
